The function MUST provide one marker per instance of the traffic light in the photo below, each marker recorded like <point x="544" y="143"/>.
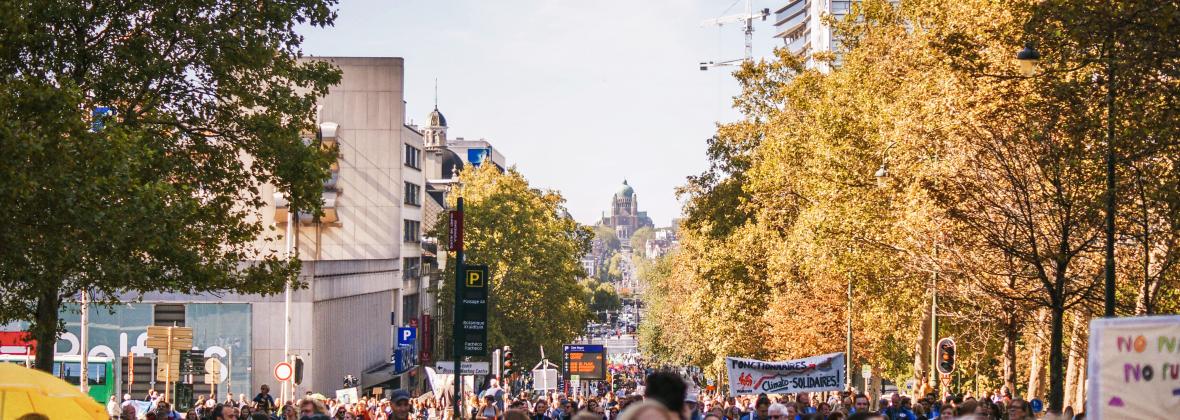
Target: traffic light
<point x="508" y="362"/>
<point x="298" y="370"/>
<point x="946" y="356"/>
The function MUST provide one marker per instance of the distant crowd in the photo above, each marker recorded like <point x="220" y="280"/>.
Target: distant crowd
<point x="662" y="396"/>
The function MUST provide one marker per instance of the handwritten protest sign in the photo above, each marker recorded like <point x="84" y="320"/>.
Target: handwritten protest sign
<point x="1134" y="368"/>
<point x="812" y="374"/>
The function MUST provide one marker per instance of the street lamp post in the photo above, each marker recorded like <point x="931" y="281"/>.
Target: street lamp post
<point x="848" y="340"/>
<point x="882" y="176"/>
<point x="1028" y="59"/>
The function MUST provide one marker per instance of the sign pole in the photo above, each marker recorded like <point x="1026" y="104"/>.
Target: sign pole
<point x="290" y="237"/>
<point x="84" y="379"/>
<point x="457" y="244"/>
<point x="168" y="366"/>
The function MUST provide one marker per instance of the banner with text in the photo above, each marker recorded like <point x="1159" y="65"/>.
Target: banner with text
<point x="813" y="374"/>
<point x="1134" y="368"/>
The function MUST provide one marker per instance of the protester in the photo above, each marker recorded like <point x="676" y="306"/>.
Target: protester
<point x="761" y="409"/>
<point x="540" y="410"/>
<point x="860" y="404"/>
<point x="263" y="401"/>
<point x="778" y="411"/>
<point x="667" y="388"/>
<point x="1018" y="409"/>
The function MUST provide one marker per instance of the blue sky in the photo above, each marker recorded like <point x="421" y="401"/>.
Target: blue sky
<point x="577" y="94"/>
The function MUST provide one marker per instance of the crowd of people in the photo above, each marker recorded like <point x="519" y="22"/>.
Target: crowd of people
<point x="660" y="396"/>
<point x="263" y="406"/>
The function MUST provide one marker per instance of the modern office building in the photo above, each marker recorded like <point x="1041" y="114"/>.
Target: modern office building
<point x="801" y="26"/>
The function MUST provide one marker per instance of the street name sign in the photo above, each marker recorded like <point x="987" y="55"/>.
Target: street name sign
<point x="447" y="367"/>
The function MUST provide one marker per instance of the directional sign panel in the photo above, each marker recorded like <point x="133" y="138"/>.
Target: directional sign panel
<point x="158" y="338"/>
<point x="474" y="309"/>
<point x="585" y="361"/>
<point x="468" y="368"/>
<point x="213" y="371"/>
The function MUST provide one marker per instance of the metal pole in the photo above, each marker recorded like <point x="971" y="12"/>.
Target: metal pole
<point x="1110" y="177"/>
<point x="83" y="380"/>
<point x="934" y="323"/>
<point x="287" y="295"/>
<point x="229" y="371"/>
<point x="848" y="341"/>
<point x="458" y="321"/>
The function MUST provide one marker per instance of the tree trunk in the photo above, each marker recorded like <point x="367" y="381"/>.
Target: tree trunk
<point x="1079" y="397"/>
<point x="1071" y="370"/>
<point x="1144" y="302"/>
<point x="1011" y="335"/>
<point x="1034" y="365"/>
<point x="922" y="349"/>
<point x="44" y="329"/>
<point x="1056" y="362"/>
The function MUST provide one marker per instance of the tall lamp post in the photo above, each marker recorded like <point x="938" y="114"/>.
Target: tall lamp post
<point x="1028" y="59"/>
<point x="848" y="340"/>
<point x="882" y="176"/>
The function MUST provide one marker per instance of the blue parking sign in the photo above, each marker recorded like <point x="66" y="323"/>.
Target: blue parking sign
<point x="406" y="336"/>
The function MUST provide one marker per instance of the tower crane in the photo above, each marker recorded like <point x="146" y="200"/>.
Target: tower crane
<point x="748" y="18"/>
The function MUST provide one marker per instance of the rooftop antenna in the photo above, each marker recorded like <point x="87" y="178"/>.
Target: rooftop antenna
<point x="748" y="19"/>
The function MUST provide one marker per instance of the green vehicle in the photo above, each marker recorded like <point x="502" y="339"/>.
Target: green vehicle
<point x="101" y="373"/>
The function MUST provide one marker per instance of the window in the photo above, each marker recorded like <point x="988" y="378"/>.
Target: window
<point x="410" y="233"/>
<point x="411" y="267"/>
<point x="413" y="194"/>
<point x="410" y="308"/>
<point x="413" y="157"/>
<point x="73" y="372"/>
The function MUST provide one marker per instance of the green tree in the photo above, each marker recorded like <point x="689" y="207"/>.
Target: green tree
<point x="208" y="101"/>
<point x="639" y="240"/>
<point x="607" y="237"/>
<point x="615" y="267"/>
<point x="532" y="250"/>
<point x="602" y="296"/>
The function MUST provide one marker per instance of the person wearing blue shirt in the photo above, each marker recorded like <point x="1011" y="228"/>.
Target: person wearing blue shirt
<point x="761" y="410"/>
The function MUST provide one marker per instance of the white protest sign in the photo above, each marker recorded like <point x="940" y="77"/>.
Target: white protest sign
<point x="813" y="374"/>
<point x="1134" y="368"/>
<point x="346" y="395"/>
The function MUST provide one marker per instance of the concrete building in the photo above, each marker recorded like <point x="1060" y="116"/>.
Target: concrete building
<point x="360" y="261"/>
<point x="625" y="217"/>
<point x="663" y="241"/>
<point x="800" y="25"/>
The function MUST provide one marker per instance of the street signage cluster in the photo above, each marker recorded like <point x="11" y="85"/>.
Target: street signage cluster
<point x="473" y="307"/>
<point x="168" y="342"/>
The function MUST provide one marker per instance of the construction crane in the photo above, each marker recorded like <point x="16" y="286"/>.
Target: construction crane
<point x="748" y="18"/>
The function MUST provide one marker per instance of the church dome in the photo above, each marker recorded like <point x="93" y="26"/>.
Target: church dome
<point x="625" y="191"/>
<point x="437" y="119"/>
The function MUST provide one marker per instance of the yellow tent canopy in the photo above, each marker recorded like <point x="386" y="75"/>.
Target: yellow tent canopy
<point x="24" y="391"/>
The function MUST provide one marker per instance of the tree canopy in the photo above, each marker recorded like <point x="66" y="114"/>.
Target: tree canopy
<point x="134" y="139"/>
<point x="532" y="249"/>
<point x="992" y="184"/>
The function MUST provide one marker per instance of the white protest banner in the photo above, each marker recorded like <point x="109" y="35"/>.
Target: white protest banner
<point x="1134" y="368"/>
<point x="813" y="374"/>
